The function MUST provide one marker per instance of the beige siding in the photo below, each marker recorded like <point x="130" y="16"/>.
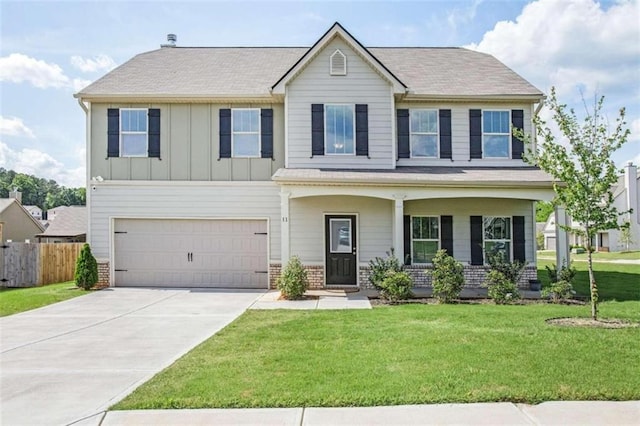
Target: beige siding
<point x="189" y="147"/>
<point x="460" y="133"/>
<point x="183" y="201"/>
<point x="361" y="85"/>
<point x="462" y="209"/>
<point x="306" y="221"/>
<point x="17" y="224"/>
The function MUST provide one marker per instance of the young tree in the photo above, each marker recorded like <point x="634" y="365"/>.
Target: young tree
<point x="625" y="235"/>
<point x="86" y="274"/>
<point x="582" y="169"/>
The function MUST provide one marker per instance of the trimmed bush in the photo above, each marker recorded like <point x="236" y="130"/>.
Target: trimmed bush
<point x="86" y="274"/>
<point x="561" y="287"/>
<point x="396" y="286"/>
<point x="447" y="277"/>
<point x="501" y="289"/>
<point x="380" y="268"/>
<point x="293" y="281"/>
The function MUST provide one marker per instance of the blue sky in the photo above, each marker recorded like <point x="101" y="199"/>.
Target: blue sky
<point x="51" y="49"/>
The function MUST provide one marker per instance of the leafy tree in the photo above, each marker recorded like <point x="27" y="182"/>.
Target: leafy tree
<point x="543" y="210"/>
<point x="39" y="192"/>
<point x="86" y="274"/>
<point x="582" y="169"/>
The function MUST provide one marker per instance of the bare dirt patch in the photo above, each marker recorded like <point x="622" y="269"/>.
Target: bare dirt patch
<point x="588" y="322"/>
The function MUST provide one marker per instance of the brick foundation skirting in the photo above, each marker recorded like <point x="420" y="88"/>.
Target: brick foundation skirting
<point x="315" y="274"/>
<point x="103" y="273"/>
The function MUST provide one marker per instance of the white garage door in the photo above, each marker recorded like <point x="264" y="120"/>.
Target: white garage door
<point x="191" y="253"/>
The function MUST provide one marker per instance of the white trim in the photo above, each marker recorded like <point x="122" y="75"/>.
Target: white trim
<point x="394" y="136"/>
<point x="233" y="133"/>
<point x="510" y="239"/>
<point x="121" y="133"/>
<point x="353" y="113"/>
<point x="437" y="134"/>
<point x="324" y="247"/>
<point x="112" y="246"/>
<point x="509" y="154"/>
<point x="89" y="167"/>
<point x="340" y="219"/>
<point x="185" y="183"/>
<point x="332" y="71"/>
<point x="438" y="240"/>
<point x="286" y="131"/>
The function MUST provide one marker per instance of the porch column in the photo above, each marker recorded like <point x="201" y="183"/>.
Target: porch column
<point x="285" y="251"/>
<point x="398" y="227"/>
<point x="562" y="238"/>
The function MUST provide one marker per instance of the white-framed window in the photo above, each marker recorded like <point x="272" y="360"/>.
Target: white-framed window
<point x="338" y="63"/>
<point x="134" y="136"/>
<point x="497" y="236"/>
<point x="496" y="133"/>
<point x="339" y="129"/>
<point x="423" y="131"/>
<point x="245" y="132"/>
<point x="425" y="238"/>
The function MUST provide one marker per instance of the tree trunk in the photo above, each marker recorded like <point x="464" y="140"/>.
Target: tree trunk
<point x="592" y="282"/>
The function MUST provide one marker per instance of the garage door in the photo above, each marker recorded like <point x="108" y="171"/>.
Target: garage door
<point x="191" y="253"/>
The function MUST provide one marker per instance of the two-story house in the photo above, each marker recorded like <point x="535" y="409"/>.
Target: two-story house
<point x="213" y="166"/>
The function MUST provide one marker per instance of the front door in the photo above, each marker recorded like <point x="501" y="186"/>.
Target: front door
<point x="340" y="247"/>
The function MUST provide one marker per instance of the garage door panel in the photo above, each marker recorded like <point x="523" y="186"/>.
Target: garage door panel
<point x="225" y="253"/>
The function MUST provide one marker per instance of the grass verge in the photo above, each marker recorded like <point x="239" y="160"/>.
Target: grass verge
<point x="14" y="300"/>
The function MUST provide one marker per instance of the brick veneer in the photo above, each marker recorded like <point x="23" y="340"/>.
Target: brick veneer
<point x="103" y="273"/>
<point x="315" y="274"/>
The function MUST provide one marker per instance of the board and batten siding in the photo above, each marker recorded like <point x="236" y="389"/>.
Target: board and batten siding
<point x="462" y="209"/>
<point x="306" y="221"/>
<point x="460" y="133"/>
<point x="182" y="201"/>
<point x="189" y="146"/>
<point x="361" y="85"/>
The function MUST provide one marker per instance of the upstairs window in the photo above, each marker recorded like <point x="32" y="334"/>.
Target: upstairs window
<point x="339" y="129"/>
<point x="496" y="134"/>
<point x="338" y="63"/>
<point x="425" y="238"/>
<point x="497" y="237"/>
<point x="133" y="133"/>
<point x="245" y="138"/>
<point x="424" y="132"/>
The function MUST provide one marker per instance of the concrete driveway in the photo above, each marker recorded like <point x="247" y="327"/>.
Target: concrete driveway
<point x="65" y="363"/>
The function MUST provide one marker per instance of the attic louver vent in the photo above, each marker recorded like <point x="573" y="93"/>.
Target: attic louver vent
<point x="338" y="63"/>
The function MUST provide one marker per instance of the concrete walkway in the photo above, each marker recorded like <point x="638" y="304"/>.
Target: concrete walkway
<point x="504" y="413"/>
<point x="318" y="299"/>
<point x="73" y="360"/>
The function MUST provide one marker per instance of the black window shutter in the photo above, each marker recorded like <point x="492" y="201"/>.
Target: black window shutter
<point x="446" y="234"/>
<point x="445" y="133"/>
<point x="518" y="238"/>
<point x="517" y="145"/>
<point x="475" y="133"/>
<point x="362" y="129"/>
<point x="113" y="132"/>
<point x="476" y="240"/>
<point x="407" y="239"/>
<point x="266" y="129"/>
<point x="403" y="133"/>
<point x="225" y="133"/>
<point x="154" y="132"/>
<point x="317" y="129"/>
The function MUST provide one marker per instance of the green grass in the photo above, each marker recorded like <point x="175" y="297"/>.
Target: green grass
<point x="626" y="255"/>
<point x="14" y="300"/>
<point x="615" y="281"/>
<point x="410" y="354"/>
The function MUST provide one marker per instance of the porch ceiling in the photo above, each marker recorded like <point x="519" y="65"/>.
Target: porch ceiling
<point x="469" y="177"/>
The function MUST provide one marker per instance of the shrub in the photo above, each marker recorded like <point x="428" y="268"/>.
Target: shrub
<point x="293" y="281"/>
<point x="396" y="286"/>
<point x="512" y="271"/>
<point x="447" y="277"/>
<point x="561" y="287"/>
<point x="566" y="273"/>
<point x="86" y="274"/>
<point x="380" y="267"/>
<point x="501" y="289"/>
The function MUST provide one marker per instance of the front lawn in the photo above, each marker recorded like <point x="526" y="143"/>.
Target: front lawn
<point x="14" y="300"/>
<point x="600" y="255"/>
<point x="408" y="354"/>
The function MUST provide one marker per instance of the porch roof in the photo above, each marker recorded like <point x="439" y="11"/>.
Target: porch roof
<point x="525" y="177"/>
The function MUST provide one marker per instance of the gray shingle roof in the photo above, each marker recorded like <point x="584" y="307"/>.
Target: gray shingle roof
<point x="68" y="222"/>
<point x="470" y="176"/>
<point x="252" y="71"/>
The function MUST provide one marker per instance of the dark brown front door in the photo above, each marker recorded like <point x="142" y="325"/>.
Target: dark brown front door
<point x="340" y="247"/>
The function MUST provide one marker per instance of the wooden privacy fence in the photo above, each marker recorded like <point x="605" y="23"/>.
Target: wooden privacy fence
<point x="29" y="264"/>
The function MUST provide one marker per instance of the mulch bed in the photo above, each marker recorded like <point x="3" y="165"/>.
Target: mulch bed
<point x="475" y="301"/>
<point x="588" y="322"/>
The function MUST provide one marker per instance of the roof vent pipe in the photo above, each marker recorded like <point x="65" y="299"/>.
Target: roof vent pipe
<point x="171" y="41"/>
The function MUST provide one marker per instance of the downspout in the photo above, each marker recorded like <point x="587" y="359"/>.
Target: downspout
<point x="83" y="106"/>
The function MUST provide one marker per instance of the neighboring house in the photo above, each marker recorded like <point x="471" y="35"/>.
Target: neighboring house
<point x="35" y="211"/>
<point x="69" y="226"/>
<point x="213" y="166"/>
<point x="16" y="223"/>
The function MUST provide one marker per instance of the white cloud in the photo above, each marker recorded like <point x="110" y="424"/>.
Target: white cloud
<point x="17" y="68"/>
<point x="14" y="126"/>
<point x="460" y="17"/>
<point x="41" y="164"/>
<point x="98" y="63"/>
<point x="79" y="84"/>
<point x="572" y="44"/>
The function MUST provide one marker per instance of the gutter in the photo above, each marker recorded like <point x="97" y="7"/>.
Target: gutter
<point x="83" y="106"/>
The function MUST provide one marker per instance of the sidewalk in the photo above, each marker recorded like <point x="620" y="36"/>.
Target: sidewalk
<point x="318" y="299"/>
<point x="502" y="413"/>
